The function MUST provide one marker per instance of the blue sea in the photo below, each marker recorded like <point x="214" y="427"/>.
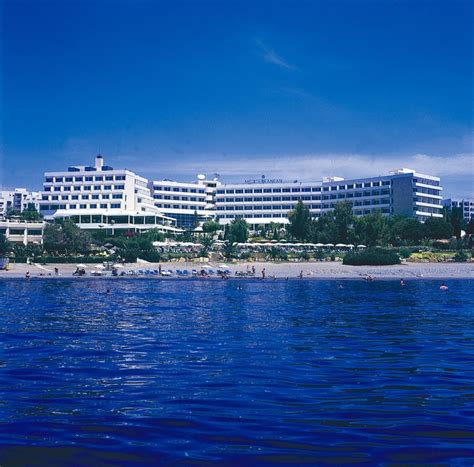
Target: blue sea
<point x="238" y="372"/>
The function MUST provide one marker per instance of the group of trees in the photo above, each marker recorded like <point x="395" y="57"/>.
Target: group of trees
<point x="341" y="226"/>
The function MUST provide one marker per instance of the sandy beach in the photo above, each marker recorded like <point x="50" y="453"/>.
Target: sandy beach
<point x="311" y="270"/>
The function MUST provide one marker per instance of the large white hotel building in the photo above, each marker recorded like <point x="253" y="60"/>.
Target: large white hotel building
<point x="100" y="197"/>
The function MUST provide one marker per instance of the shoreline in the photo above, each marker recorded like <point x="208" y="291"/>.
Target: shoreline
<point x="311" y="270"/>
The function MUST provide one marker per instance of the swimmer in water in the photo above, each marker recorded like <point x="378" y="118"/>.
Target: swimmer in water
<point x="443" y="286"/>
<point x="402" y="282"/>
<point x="27" y="275"/>
<point x="340" y="286"/>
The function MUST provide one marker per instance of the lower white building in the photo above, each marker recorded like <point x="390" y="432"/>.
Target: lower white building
<point x="17" y="199"/>
<point x="466" y="205"/>
<point x="22" y="231"/>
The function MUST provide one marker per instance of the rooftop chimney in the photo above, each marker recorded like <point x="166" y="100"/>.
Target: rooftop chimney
<point x="99" y="162"/>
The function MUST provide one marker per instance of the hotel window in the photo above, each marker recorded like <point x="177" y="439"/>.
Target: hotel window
<point x="99" y="179"/>
<point x="54" y="198"/>
<point x="89" y="179"/>
<point x="119" y="187"/>
<point x="105" y="196"/>
<point x="97" y="187"/>
<point x="305" y="189"/>
<point x="74" y="197"/>
<point x="267" y="190"/>
<point x="358" y="185"/>
<point x="83" y="206"/>
<point x="78" y="179"/>
<point x="95" y="196"/>
<point x="57" y="188"/>
<point x="229" y="192"/>
<point x="109" y="178"/>
<point x="257" y="190"/>
<point x="65" y="197"/>
<point x="107" y="187"/>
<point x="47" y="188"/>
<point x="316" y="189"/>
<point x="257" y="199"/>
<point x="67" y="188"/>
<point x="58" y="179"/>
<point x="85" y="197"/>
<point x="45" y="197"/>
<point x="115" y="206"/>
<point x="103" y="206"/>
<point x="286" y="190"/>
<point x="68" y="179"/>
<point x="295" y="190"/>
<point x="77" y="188"/>
<point x="239" y="191"/>
<point x="366" y="193"/>
<point x="267" y="198"/>
<point x="341" y="187"/>
<point x="87" y="188"/>
<point x="326" y="188"/>
<point x="120" y="177"/>
<point x="49" y="180"/>
<point x="93" y="206"/>
<point x="72" y="206"/>
<point x="117" y="196"/>
<point x="366" y="184"/>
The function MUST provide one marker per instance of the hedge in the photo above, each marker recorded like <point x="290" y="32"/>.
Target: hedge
<point x="372" y="257"/>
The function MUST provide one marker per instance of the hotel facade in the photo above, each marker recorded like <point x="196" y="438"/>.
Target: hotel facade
<point x="402" y="192"/>
<point x="186" y="202"/>
<point x="100" y="197"/>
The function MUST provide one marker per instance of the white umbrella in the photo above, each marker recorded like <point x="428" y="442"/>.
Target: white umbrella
<point x="341" y="245"/>
<point x="329" y="244"/>
<point x="319" y="245"/>
<point x="350" y="245"/>
<point x="361" y="246"/>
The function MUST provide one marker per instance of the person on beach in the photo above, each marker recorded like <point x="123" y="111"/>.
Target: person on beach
<point x="263" y="273"/>
<point x="253" y="270"/>
<point x="27" y="275"/>
<point x="56" y="271"/>
<point x="159" y="269"/>
<point x="301" y="275"/>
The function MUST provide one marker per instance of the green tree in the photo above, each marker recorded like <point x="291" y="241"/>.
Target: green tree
<point x="211" y="227"/>
<point x="323" y="229"/>
<point x="408" y="230"/>
<point x="371" y="230"/>
<point x="154" y="235"/>
<point x="5" y="245"/>
<point x="30" y="214"/>
<point x="343" y="219"/>
<point x="206" y="241"/>
<point x="438" y="228"/>
<point x="195" y="219"/>
<point x="456" y="217"/>
<point x="300" y="222"/>
<point x="228" y="250"/>
<point x="238" y="231"/>
<point x="63" y="237"/>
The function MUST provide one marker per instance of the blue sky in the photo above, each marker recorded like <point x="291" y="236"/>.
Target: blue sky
<point x="289" y="89"/>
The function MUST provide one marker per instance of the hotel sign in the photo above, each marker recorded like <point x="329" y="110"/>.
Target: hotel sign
<point x="263" y="180"/>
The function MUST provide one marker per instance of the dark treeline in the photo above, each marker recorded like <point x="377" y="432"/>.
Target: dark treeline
<point x="341" y="226"/>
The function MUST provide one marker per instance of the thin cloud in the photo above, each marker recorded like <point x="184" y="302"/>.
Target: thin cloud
<point x="270" y="56"/>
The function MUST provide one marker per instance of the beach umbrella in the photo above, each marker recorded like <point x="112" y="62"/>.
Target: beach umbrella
<point x="329" y="244"/>
<point x="341" y="245"/>
<point x="319" y="245"/>
<point x="350" y="245"/>
<point x="361" y="246"/>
